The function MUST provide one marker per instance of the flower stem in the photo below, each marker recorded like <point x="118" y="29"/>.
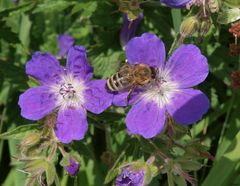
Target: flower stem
<point x="227" y="118"/>
<point x="177" y="19"/>
<point x="108" y="137"/>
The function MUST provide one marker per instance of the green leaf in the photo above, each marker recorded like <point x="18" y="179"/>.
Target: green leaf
<point x="50" y="173"/>
<point x="228" y="16"/>
<point x="10" y="72"/>
<point x="19" y="132"/>
<point x="189" y="165"/>
<point x="232" y="3"/>
<point x="24" y="33"/>
<point x="19" y="177"/>
<point x="6" y="12"/>
<point x="231" y="126"/>
<point x="170" y="178"/>
<point x="177" y="19"/>
<point x="86" y="8"/>
<point x="226" y="167"/>
<point x="9" y="181"/>
<point x="111" y="175"/>
<point x="32" y="82"/>
<point x="179" y="180"/>
<point x="7" y="34"/>
<point x="52" y="6"/>
<point x="107" y="64"/>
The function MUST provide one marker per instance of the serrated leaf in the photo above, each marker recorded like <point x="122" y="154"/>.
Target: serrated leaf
<point x="111" y="175"/>
<point x="228" y="16"/>
<point x="86" y="8"/>
<point x="189" y="165"/>
<point x="232" y="3"/>
<point x="107" y="64"/>
<point x="19" y="132"/>
<point x="179" y="180"/>
<point x="6" y="12"/>
<point x="51" y="6"/>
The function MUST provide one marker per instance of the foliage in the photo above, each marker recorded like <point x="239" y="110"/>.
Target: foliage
<point x="28" y="26"/>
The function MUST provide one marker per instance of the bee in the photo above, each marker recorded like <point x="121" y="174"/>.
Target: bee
<point x="130" y="77"/>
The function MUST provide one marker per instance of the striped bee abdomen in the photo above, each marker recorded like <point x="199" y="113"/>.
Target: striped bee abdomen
<point x="117" y="82"/>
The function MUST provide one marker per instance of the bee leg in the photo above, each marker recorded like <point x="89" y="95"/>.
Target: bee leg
<point x="129" y="94"/>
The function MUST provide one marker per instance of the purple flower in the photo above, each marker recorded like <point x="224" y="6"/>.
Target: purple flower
<point x="69" y="91"/>
<point x="182" y="3"/>
<point x="72" y="168"/>
<point x="176" y="3"/>
<point x="129" y="28"/>
<point x="129" y="177"/>
<point x="171" y="92"/>
<point x="65" y="42"/>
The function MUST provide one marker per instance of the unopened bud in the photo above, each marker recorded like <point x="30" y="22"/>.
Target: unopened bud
<point x="72" y="168"/>
<point x="189" y="26"/>
<point x="137" y="173"/>
<point x="30" y="140"/>
<point x="235" y="82"/>
<point x="204" y="27"/>
<point x="134" y="4"/>
<point x="108" y="158"/>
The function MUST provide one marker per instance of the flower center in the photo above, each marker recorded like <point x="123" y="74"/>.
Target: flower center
<point x="162" y="90"/>
<point x="67" y="91"/>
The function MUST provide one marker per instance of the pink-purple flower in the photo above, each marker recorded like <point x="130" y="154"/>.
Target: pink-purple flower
<point x="130" y="178"/>
<point x="69" y="91"/>
<point x="73" y="168"/>
<point x="179" y="3"/>
<point x="129" y="28"/>
<point x="65" y="42"/>
<point x="171" y="92"/>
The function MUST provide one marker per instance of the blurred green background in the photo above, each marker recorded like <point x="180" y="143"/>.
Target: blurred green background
<point x="33" y="25"/>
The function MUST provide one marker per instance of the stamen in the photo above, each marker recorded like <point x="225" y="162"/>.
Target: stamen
<point x="67" y="91"/>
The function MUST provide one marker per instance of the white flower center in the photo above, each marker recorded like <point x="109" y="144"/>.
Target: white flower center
<point x="70" y="92"/>
<point x="162" y="90"/>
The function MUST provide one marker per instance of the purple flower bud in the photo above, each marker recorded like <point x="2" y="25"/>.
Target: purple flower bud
<point x="72" y="168"/>
<point x="129" y="28"/>
<point x="130" y="177"/>
<point x="65" y="42"/>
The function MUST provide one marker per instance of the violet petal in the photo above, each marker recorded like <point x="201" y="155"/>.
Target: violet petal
<point x="128" y="177"/>
<point x="71" y="124"/>
<point x="146" y="119"/>
<point x="188" y="106"/>
<point x="44" y="67"/>
<point x="175" y="3"/>
<point x="65" y="42"/>
<point x="36" y="103"/>
<point x="97" y="99"/>
<point x="72" y="168"/>
<point x="77" y="63"/>
<point x="187" y="66"/>
<point x="120" y="99"/>
<point x="147" y="49"/>
<point x="129" y="28"/>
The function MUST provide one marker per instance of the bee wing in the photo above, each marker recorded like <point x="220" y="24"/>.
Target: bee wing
<point x="125" y="69"/>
